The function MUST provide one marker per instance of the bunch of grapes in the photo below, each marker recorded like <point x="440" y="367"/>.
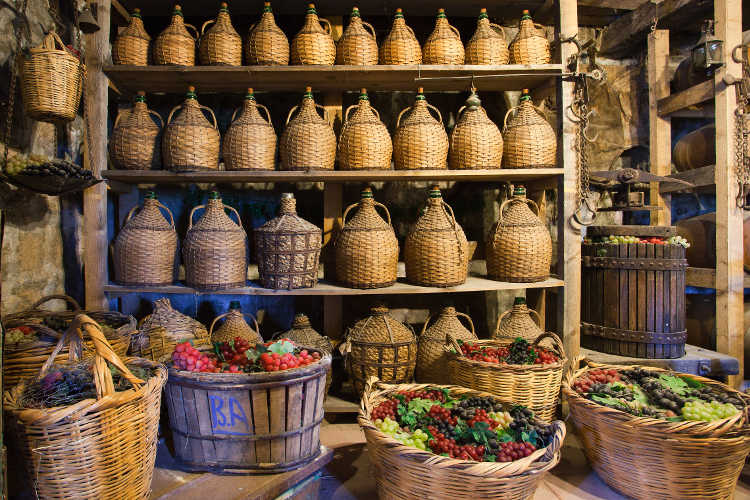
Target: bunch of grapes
<point x="502" y="418"/>
<point x="618" y="240"/>
<point x="482" y="416"/>
<point x="511" y="450"/>
<point x="518" y="353"/>
<point x="432" y="394"/>
<point x="701" y="410"/>
<point x="20" y="335"/>
<point x="273" y="362"/>
<point x="187" y="357"/>
<point x="584" y="383"/>
<point x="386" y="409"/>
<point x="18" y="163"/>
<point x="417" y="439"/>
<point x="678" y="240"/>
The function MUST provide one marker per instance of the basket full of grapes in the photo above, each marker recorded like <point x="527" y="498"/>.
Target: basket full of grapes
<point x="51" y="176"/>
<point x="652" y="433"/>
<point x="454" y="443"/>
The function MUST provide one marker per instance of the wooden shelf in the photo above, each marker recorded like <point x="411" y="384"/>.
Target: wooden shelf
<point x="699" y="177"/>
<point x="206" y="79"/>
<point x="689" y="97"/>
<point x="705" y="277"/>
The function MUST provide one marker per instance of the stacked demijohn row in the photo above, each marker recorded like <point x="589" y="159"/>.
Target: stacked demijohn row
<point x="364" y="143"/>
<point x="357" y="45"/>
<point x="132" y="44"/>
<point x="443" y="46"/>
<point x="221" y="44"/>
<point x="175" y="45"/>
<point x="134" y="143"/>
<point x="191" y="142"/>
<point x="308" y="141"/>
<point x="250" y="141"/>
<point x="400" y="46"/>
<point x="313" y="44"/>
<point x="266" y="44"/>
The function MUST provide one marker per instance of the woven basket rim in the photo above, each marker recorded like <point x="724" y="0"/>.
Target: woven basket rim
<point x="484" y="365"/>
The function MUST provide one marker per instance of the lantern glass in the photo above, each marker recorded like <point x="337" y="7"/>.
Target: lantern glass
<point x="708" y="53"/>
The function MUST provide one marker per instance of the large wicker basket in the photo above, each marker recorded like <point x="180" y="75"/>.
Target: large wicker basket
<point x="443" y="46"/>
<point x="191" y="142"/>
<point x="436" y="252"/>
<point x="160" y="331"/>
<point x="431" y="359"/>
<point x="215" y="248"/>
<point x="145" y="251"/>
<point x="302" y="333"/>
<point x="313" y="44"/>
<point x="103" y="448"/>
<point x="175" y="45"/>
<point x="488" y="45"/>
<point x="287" y="249"/>
<point x="221" y="44"/>
<point x="134" y="143"/>
<point x="132" y="44"/>
<point x="420" y="141"/>
<point x="358" y="45"/>
<point x="266" y="43"/>
<point x="364" y="142"/>
<point x="518" y="322"/>
<point x="534" y="386"/>
<point x="475" y="142"/>
<point x="405" y="473"/>
<point x="380" y="346"/>
<point x="366" y="248"/>
<point x="308" y="141"/>
<point x="52" y="81"/>
<point x="653" y="459"/>
<point x="529" y="140"/>
<point x="519" y="246"/>
<point x="401" y="45"/>
<point x="250" y="141"/>
<point x="530" y="46"/>
<point x="235" y="326"/>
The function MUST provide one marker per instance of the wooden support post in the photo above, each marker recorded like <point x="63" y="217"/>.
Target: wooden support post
<point x="97" y="50"/>
<point x="660" y="127"/>
<point x="536" y="298"/>
<point x="729" y="251"/>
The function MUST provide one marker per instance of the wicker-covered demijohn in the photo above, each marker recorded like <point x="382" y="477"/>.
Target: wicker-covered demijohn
<point x="190" y="142"/>
<point x="380" y="346"/>
<point x="519" y="246"/>
<point x="487" y="45"/>
<point x="401" y="45"/>
<point x="302" y="333"/>
<point x="215" y="248"/>
<point x="221" y="44"/>
<point x="308" y="141"/>
<point x="431" y="360"/>
<point x="436" y="252"/>
<point x="145" y="251"/>
<point x="132" y="44"/>
<point x="134" y="143"/>
<point x="443" y="46"/>
<point x="364" y="143"/>
<point x="357" y="45"/>
<point x="366" y="248"/>
<point x="529" y="141"/>
<point x="420" y="141"/>
<point x="234" y="326"/>
<point x="250" y="141"/>
<point x="530" y="46"/>
<point x="52" y="81"/>
<point x="160" y="331"/>
<point x="313" y="44"/>
<point x="518" y="322"/>
<point x="266" y="44"/>
<point x="175" y="45"/>
<point x="475" y="141"/>
<point x="287" y="249"/>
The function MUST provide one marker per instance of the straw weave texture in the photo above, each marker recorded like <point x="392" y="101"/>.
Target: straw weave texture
<point x="166" y="327"/>
<point x="302" y="333"/>
<point x="431" y="359"/>
<point x="266" y="43"/>
<point x="308" y="141"/>
<point x="134" y="143"/>
<point x="358" y="45"/>
<point x="530" y="46"/>
<point x="364" y="143"/>
<point x="312" y="44"/>
<point x="529" y="140"/>
<point x="420" y="141"/>
<point x="234" y="326"/>
<point x="250" y="141"/>
<point x="517" y="322"/>
<point x="443" y="46"/>
<point x="132" y="45"/>
<point x="191" y="142"/>
<point x="175" y="45"/>
<point x="400" y="46"/>
<point x="487" y="45"/>
<point x="475" y="141"/>
<point x="221" y="44"/>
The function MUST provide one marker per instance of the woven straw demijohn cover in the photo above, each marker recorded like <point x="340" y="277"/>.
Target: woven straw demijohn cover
<point x="179" y="326"/>
<point x="304" y="334"/>
<point x="266" y="44"/>
<point x="431" y="360"/>
<point x="529" y="139"/>
<point x="517" y="322"/>
<point x="308" y="141"/>
<point x="134" y="143"/>
<point x="420" y="141"/>
<point x="436" y="252"/>
<point x="380" y="346"/>
<point x="357" y="46"/>
<point x="191" y="142"/>
<point x="487" y="45"/>
<point x="400" y="46"/>
<point x="366" y="248"/>
<point x="234" y="326"/>
<point x="313" y="44"/>
<point x="364" y="143"/>
<point x="475" y="141"/>
<point x="146" y="248"/>
<point x="443" y="46"/>
<point x="530" y="46"/>
<point x="519" y="246"/>
<point x="250" y="141"/>
<point x="221" y="44"/>
<point x="175" y="45"/>
<point x="131" y="45"/>
<point x="287" y="249"/>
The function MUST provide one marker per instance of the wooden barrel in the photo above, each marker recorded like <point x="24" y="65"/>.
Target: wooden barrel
<point x="633" y="295"/>
<point x="249" y="422"/>
<point x="696" y="149"/>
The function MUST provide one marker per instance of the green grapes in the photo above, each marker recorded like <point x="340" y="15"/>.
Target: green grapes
<point x="622" y="239"/>
<point x="708" y="412"/>
<point x="418" y="439"/>
<point x="501" y="417"/>
<point x="18" y="163"/>
<point x="17" y="336"/>
<point x="678" y="240"/>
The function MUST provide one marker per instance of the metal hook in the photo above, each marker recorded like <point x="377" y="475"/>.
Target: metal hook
<point x="588" y="125"/>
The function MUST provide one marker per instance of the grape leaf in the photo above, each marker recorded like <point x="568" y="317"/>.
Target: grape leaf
<point x="281" y="347"/>
<point x="530" y="437"/>
<point x="463" y="432"/>
<point x="489" y="458"/>
<point x="639" y="395"/>
<point x="252" y="355"/>
<point x="503" y="435"/>
<point x="482" y="433"/>
<point x="409" y="420"/>
<point x="675" y="384"/>
<point x="607" y="400"/>
<point x="692" y="383"/>
<point x="218" y="351"/>
<point x="419" y="406"/>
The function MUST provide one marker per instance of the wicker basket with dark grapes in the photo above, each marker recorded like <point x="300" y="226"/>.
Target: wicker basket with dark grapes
<point x="51" y="176"/>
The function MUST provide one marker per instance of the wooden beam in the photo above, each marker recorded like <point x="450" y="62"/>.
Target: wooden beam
<point x="696" y="94"/>
<point x="121" y="10"/>
<point x="612" y="4"/>
<point x="660" y="127"/>
<point x="699" y="177"/>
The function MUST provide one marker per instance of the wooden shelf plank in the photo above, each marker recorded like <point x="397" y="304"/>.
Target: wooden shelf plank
<point x="166" y="177"/>
<point x="699" y="177"/>
<point x="705" y="277"/>
<point x="689" y="97"/>
<point x="322" y="78"/>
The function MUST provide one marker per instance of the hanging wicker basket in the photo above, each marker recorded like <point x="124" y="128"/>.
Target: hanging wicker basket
<point x="266" y="44"/>
<point x="160" y="331"/>
<point x="287" y="249"/>
<point x="364" y="143"/>
<point x="475" y="142"/>
<point x="443" y="46"/>
<point x="313" y="44"/>
<point x="308" y="141"/>
<point x="302" y="333"/>
<point x="530" y="46"/>
<point x="134" y="143"/>
<point x="215" y="248"/>
<point x="132" y="44"/>
<point x="528" y="139"/>
<point x="358" y="45"/>
<point x="401" y="45"/>
<point x="420" y="141"/>
<point x="431" y="359"/>
<point x="250" y="141"/>
<point x="51" y="81"/>
<point x="191" y="142"/>
<point x="488" y="45"/>
<point x="518" y="322"/>
<point x="145" y="251"/>
<point x="436" y="252"/>
<point x="221" y="45"/>
<point x="366" y="248"/>
<point x="235" y="326"/>
<point x="175" y="45"/>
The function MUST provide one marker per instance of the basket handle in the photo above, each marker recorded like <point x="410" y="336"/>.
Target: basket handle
<point x="468" y="318"/>
<point x="440" y="117"/>
<point x="216" y="127"/>
<point x="326" y="24"/>
<point x="268" y="115"/>
<point x="289" y="116"/>
<point x="217" y="318"/>
<point x="119" y="114"/>
<point x="159" y="204"/>
<point x="203" y="28"/>
<point x="557" y="343"/>
<point x="505" y="120"/>
<point x="541" y="28"/>
<point x="451" y="342"/>
<point x="52" y="39"/>
<point x="196" y="36"/>
<point x="370" y="385"/>
<point x="190" y="217"/>
<point x="499" y="29"/>
<point x="572" y="369"/>
<point x="454" y="30"/>
<point x="514" y="200"/>
<point x="503" y="315"/>
<point x="398" y="120"/>
<point x="171" y="113"/>
<point x="157" y="115"/>
<point x="67" y="298"/>
<point x="372" y="30"/>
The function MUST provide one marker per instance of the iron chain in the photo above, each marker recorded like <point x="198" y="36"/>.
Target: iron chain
<point x="742" y="160"/>
<point x="14" y="74"/>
